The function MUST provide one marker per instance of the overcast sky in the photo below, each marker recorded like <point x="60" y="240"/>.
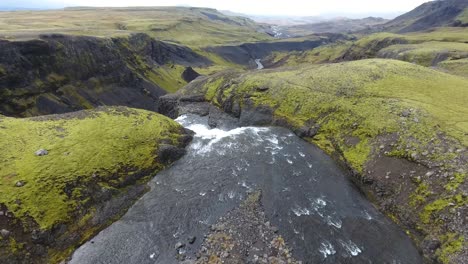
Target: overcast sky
<point x="257" y="7"/>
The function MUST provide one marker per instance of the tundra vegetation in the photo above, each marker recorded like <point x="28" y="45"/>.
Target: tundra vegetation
<point x="365" y="110"/>
<point x="391" y="105"/>
<point x="58" y="170"/>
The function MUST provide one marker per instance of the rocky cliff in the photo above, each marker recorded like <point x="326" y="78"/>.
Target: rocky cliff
<point x="65" y="177"/>
<point x="59" y="73"/>
<point x="399" y="127"/>
<point x="246" y="53"/>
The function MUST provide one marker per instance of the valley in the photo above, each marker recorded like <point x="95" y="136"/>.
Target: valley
<point x="166" y="134"/>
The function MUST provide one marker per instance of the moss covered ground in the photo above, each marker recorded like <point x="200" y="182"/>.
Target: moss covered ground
<point x="192" y="27"/>
<point x="426" y="53"/>
<point x="463" y="17"/>
<point x="446" y="48"/>
<point x="107" y="145"/>
<point x="365" y="101"/>
<point x="458" y="67"/>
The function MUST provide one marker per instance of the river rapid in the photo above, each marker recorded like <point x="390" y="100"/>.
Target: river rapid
<point x="320" y="214"/>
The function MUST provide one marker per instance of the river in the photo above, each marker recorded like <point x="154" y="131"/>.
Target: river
<point x="259" y="64"/>
<point x="320" y="214"/>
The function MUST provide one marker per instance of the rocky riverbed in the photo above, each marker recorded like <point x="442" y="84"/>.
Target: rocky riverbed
<point x="250" y="195"/>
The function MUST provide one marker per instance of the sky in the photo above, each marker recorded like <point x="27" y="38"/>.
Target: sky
<point x="251" y="7"/>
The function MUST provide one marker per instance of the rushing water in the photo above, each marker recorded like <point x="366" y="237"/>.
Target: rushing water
<point x="321" y="215"/>
<point x="259" y="64"/>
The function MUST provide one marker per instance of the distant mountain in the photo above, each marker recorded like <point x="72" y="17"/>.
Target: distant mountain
<point x="6" y="8"/>
<point x="431" y="14"/>
<point x="337" y="25"/>
<point x="278" y="20"/>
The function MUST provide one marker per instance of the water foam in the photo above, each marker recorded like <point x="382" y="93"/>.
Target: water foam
<point x="351" y="247"/>
<point x="327" y="249"/>
<point x="298" y="211"/>
<point x="215" y="135"/>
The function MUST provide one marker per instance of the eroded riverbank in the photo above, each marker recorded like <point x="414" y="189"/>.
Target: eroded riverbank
<point x="306" y="199"/>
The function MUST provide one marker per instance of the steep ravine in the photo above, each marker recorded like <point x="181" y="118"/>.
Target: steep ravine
<point x="62" y="73"/>
<point x="250" y="195"/>
<point x="423" y="191"/>
<point x="65" y="177"/>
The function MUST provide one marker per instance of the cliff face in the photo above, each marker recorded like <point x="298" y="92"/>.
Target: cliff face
<point x="92" y="166"/>
<point x="60" y="73"/>
<point x="245" y="54"/>
<point x="401" y="142"/>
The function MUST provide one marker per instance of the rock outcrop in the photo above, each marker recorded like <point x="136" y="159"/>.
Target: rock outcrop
<point x="60" y="73"/>
<point x="246" y="53"/>
<point x="97" y="165"/>
<point x="403" y="156"/>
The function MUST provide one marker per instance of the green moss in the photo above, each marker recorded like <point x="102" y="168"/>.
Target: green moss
<point x="168" y="78"/>
<point x="438" y="205"/>
<point x="2" y="70"/>
<point x="55" y="78"/>
<point x="71" y="92"/>
<point x="358" y="155"/>
<point x="326" y="53"/>
<point x="457" y="67"/>
<point x="189" y="26"/>
<point x="463" y="17"/>
<point x="103" y="145"/>
<point x="420" y="195"/>
<point x="362" y="99"/>
<point x="426" y="53"/>
<point x="212" y="87"/>
<point x="15" y="247"/>
<point x="451" y="244"/>
<point x="458" y="178"/>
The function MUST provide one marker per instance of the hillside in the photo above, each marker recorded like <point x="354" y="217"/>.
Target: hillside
<point x="64" y="177"/>
<point x="437" y="13"/>
<point x="398" y="126"/>
<point x="338" y="25"/>
<point x="183" y="25"/>
<point x="379" y="159"/>
<point x="433" y="48"/>
<point x="60" y="73"/>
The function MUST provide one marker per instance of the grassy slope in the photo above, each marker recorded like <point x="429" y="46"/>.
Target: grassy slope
<point x="426" y="53"/>
<point x="419" y="47"/>
<point x="458" y="67"/>
<point x="322" y="54"/>
<point x="463" y="17"/>
<point x="366" y="100"/>
<point x="193" y="27"/>
<point x="113" y="144"/>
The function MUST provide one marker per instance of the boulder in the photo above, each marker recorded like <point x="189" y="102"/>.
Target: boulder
<point x="189" y="74"/>
<point x="41" y="152"/>
<point x="5" y="233"/>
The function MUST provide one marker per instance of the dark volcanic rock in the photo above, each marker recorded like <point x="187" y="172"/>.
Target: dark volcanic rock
<point x="189" y="74"/>
<point x="245" y="236"/>
<point x="170" y="153"/>
<point x="60" y="73"/>
<point x="244" y="54"/>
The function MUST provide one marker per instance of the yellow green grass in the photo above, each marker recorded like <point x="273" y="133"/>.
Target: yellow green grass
<point x="426" y="53"/>
<point x="104" y="145"/>
<point x="463" y="17"/>
<point x="367" y="100"/>
<point x="370" y="93"/>
<point x="322" y="54"/>
<point x="189" y="26"/>
<point x="458" y="67"/>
